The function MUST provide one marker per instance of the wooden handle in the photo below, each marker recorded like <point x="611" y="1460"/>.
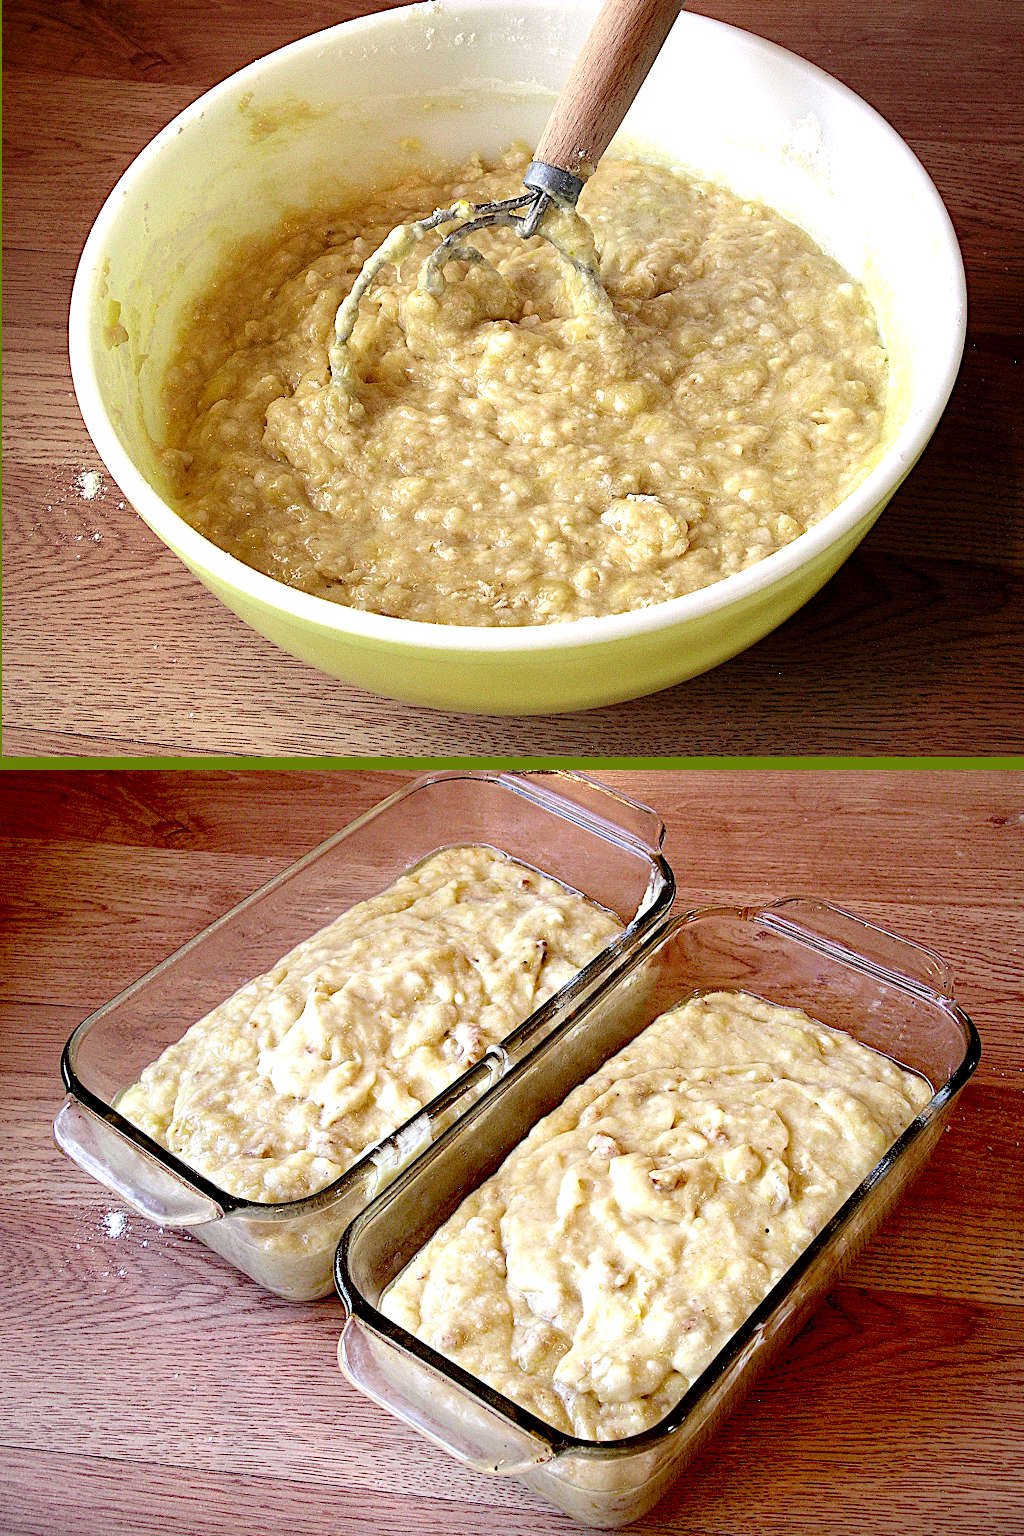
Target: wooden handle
<point x="612" y="65"/>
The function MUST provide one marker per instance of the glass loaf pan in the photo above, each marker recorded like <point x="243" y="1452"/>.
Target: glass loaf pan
<point x="602" y="844"/>
<point x="889" y="994"/>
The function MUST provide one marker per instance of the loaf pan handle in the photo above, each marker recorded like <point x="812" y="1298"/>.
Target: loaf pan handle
<point x="128" y="1171"/>
<point x="860" y="943"/>
<point x="585" y="799"/>
<point x="438" y="1409"/>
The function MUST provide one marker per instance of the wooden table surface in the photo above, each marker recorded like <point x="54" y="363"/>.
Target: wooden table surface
<point x="150" y="1388"/>
<point x="111" y="646"/>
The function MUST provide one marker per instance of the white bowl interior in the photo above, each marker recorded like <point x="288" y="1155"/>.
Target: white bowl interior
<point x="352" y="106"/>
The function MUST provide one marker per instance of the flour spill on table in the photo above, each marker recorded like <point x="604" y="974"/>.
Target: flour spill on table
<point x="89" y="484"/>
<point x="115" y="1223"/>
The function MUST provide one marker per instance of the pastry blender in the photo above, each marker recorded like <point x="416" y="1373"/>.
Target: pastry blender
<point x="612" y="65"/>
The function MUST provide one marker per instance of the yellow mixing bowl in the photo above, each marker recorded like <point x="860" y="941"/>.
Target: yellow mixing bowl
<point x="344" y="109"/>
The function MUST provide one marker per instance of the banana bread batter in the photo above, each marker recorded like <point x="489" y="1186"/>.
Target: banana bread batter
<point x="283" y="1086"/>
<point x="617" y="1248"/>
<point x="505" y="456"/>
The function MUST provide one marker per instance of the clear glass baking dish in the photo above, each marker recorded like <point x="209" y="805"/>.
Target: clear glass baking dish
<point x="890" y="994"/>
<point x="585" y="835"/>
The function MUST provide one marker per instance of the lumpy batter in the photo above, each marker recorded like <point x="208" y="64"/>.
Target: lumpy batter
<point x="277" y="1091"/>
<point x="504" y="457"/>
<point x="596" y="1274"/>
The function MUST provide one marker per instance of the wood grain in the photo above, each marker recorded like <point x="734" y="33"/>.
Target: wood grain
<point x="110" y="646"/>
<point x="147" y="1386"/>
<point x="612" y="65"/>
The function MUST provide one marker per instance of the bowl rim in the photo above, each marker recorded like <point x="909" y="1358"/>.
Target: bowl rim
<point x="227" y="571"/>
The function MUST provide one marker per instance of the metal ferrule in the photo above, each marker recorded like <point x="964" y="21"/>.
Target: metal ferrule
<point x="563" y="185"/>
